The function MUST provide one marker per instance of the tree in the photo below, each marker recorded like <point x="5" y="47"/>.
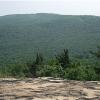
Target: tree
<point x="63" y="59"/>
<point x="97" y="53"/>
<point x="39" y="59"/>
<point x="33" y="67"/>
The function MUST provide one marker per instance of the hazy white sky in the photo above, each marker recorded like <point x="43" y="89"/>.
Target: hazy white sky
<point x="66" y="7"/>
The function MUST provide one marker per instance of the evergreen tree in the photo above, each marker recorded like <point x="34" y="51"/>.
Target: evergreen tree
<point x="33" y="67"/>
<point x="63" y="59"/>
<point x="39" y="59"/>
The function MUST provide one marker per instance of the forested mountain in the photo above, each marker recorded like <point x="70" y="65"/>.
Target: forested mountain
<point x="23" y="35"/>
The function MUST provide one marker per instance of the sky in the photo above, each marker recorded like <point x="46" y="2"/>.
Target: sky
<point x="65" y="7"/>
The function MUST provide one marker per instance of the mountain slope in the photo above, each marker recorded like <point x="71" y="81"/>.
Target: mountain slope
<point x="23" y="35"/>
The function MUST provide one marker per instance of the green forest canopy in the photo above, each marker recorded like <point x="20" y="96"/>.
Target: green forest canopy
<point x="21" y="36"/>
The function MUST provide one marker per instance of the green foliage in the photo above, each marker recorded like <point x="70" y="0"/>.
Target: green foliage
<point x="22" y="35"/>
<point x="97" y="53"/>
<point x="63" y="59"/>
<point x="50" y="71"/>
<point x="13" y="70"/>
<point x="69" y="69"/>
<point x="35" y="64"/>
<point x="39" y="59"/>
<point x="53" y="62"/>
<point x="80" y="73"/>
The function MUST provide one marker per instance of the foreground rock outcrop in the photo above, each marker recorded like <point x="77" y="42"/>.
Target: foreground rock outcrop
<point x="48" y="89"/>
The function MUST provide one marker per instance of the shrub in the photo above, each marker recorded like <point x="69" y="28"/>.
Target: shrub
<point x="51" y="71"/>
<point x="80" y="73"/>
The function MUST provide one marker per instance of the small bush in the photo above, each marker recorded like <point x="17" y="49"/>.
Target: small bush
<point x="51" y="71"/>
<point x="80" y="73"/>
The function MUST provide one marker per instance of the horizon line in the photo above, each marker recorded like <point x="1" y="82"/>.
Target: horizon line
<point x="50" y="14"/>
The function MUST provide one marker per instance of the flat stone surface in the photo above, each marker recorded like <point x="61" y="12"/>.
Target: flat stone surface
<point x="48" y="88"/>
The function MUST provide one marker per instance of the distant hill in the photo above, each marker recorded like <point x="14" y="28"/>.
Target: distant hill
<point x="22" y="35"/>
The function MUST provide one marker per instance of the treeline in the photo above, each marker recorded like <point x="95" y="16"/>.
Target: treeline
<point x="60" y="66"/>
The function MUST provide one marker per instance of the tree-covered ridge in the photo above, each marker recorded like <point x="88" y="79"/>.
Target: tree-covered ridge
<point x="23" y="35"/>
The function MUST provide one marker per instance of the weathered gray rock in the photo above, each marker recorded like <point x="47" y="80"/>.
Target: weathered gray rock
<point x="48" y="89"/>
